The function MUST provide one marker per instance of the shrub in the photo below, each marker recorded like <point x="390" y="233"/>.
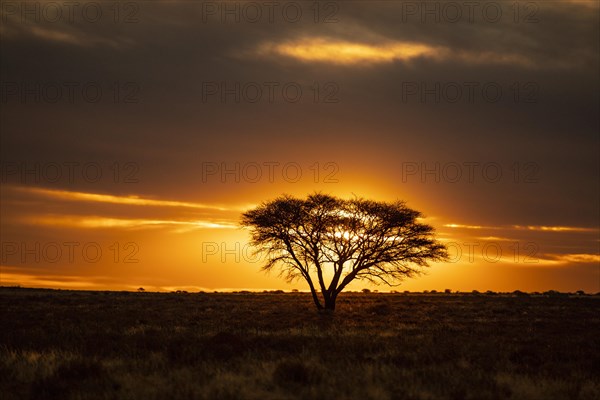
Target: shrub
<point x="554" y="293"/>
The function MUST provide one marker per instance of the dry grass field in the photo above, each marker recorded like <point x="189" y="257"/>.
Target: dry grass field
<point x="121" y="345"/>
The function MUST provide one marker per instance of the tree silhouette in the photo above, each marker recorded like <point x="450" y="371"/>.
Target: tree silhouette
<point x="330" y="241"/>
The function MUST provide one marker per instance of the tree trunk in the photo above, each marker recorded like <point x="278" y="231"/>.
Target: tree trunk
<point x="330" y="302"/>
<point x="315" y="296"/>
<point x="316" y="300"/>
<point x="313" y="292"/>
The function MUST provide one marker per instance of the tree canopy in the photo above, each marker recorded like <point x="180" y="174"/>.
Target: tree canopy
<point x="329" y="242"/>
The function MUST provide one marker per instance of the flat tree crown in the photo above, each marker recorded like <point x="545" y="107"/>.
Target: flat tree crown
<point x="323" y="236"/>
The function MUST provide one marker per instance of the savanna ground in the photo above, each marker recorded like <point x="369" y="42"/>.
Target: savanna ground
<point x="103" y="345"/>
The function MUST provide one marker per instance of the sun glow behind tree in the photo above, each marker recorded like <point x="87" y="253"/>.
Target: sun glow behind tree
<point x="329" y="242"/>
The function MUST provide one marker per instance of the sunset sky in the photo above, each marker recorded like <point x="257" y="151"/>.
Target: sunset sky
<point x="134" y="135"/>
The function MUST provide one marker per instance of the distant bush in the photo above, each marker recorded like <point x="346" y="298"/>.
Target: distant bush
<point x="448" y="291"/>
<point x="554" y="293"/>
<point x="433" y="291"/>
<point x="580" y="293"/>
<point x="365" y="290"/>
<point x="490" y="293"/>
<point x="475" y="292"/>
<point x="294" y="290"/>
<point x="518" y="293"/>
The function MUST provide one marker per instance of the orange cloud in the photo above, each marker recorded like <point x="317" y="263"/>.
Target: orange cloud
<point x="460" y="226"/>
<point x="107" y="198"/>
<point x="542" y="228"/>
<point x="577" y="258"/>
<point x="103" y="222"/>
<point x="539" y="228"/>
<point x="341" y="52"/>
<point x="344" y="52"/>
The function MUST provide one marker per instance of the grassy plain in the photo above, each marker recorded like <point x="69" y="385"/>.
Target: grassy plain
<point x="105" y="345"/>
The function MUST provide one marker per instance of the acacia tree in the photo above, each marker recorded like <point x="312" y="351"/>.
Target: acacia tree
<point x="329" y="242"/>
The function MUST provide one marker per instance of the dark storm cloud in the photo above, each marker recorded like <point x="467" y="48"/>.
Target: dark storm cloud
<point x="159" y="120"/>
<point x="174" y="49"/>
